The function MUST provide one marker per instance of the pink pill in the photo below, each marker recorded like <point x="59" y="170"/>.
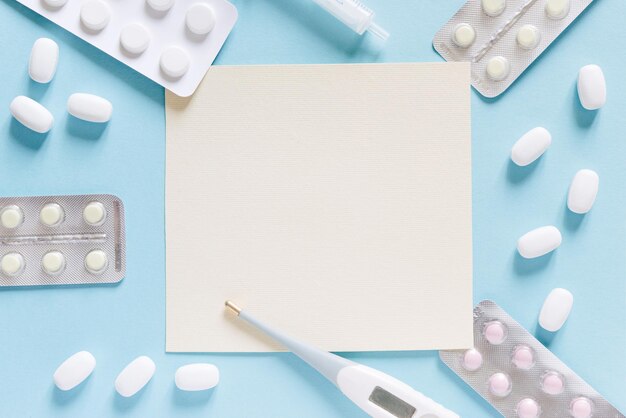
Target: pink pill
<point x="495" y="332"/>
<point x="500" y="385"/>
<point x="472" y="360"/>
<point x="552" y="383"/>
<point x="523" y="357"/>
<point x="581" y="408"/>
<point x="528" y="408"/>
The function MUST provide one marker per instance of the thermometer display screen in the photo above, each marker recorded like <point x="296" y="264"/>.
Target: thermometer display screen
<point x="391" y="403"/>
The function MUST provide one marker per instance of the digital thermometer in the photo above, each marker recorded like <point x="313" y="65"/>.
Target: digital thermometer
<point x="376" y="393"/>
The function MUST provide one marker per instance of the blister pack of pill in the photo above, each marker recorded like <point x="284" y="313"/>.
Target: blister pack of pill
<point x="53" y="240"/>
<point x="520" y="377"/>
<point x="173" y="42"/>
<point x="502" y="38"/>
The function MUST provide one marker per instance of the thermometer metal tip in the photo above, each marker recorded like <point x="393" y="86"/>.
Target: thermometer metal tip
<point x="231" y="305"/>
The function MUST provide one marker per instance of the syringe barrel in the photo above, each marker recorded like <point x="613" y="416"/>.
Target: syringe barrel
<point x="352" y="13"/>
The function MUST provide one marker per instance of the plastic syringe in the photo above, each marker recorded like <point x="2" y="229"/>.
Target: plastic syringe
<point x="355" y="15"/>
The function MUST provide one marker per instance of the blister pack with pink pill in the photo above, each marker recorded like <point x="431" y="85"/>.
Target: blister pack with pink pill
<point x="520" y="377"/>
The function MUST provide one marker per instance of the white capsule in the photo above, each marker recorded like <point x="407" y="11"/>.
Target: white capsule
<point x="161" y="5"/>
<point x="557" y="9"/>
<point x="95" y="15"/>
<point x="591" y="87"/>
<point x="464" y="35"/>
<point x="493" y="7"/>
<point x="539" y="242"/>
<point x="174" y="62"/>
<point x="200" y="19"/>
<point x="73" y="371"/>
<point x="89" y="107"/>
<point x="12" y="264"/>
<point x="31" y="114"/>
<point x="51" y="214"/>
<point x="44" y="58"/>
<point x="531" y="146"/>
<point x="11" y="217"/>
<point x="583" y="191"/>
<point x="135" y="376"/>
<point x="528" y="37"/>
<point x="555" y="310"/>
<point x="498" y="68"/>
<point x="135" y="38"/>
<point x="198" y="376"/>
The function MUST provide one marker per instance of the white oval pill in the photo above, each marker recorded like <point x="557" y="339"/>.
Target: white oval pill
<point x="95" y="14"/>
<point x="555" y="310"/>
<point x="89" y="107"/>
<point x="12" y="264"/>
<point x="135" y="376"/>
<point x="557" y="9"/>
<point x="200" y="19"/>
<point x="11" y="217"/>
<point x="531" y="146"/>
<point x="96" y="261"/>
<point x="135" y="38"/>
<point x="583" y="191"/>
<point x="498" y="68"/>
<point x="94" y="213"/>
<point x="55" y="4"/>
<point x="174" y="62"/>
<point x="51" y="214"/>
<point x="528" y="37"/>
<point x="161" y="5"/>
<point x="44" y="58"/>
<point x="198" y="376"/>
<point x="591" y="87"/>
<point x="53" y="262"/>
<point x="464" y="35"/>
<point x="493" y="7"/>
<point x="73" y="371"/>
<point x="539" y="242"/>
<point x="31" y="114"/>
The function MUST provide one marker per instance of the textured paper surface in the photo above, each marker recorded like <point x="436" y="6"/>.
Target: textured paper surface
<point x="332" y="201"/>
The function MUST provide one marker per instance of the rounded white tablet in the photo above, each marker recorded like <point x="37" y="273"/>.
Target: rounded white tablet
<point x="464" y="35"/>
<point x="528" y="408"/>
<point x="500" y="385"/>
<point x="73" y="371"/>
<point x="200" y="19"/>
<point x="174" y="62"/>
<point x="95" y="14"/>
<point x="591" y="87"/>
<point x="44" y="58"/>
<point x="539" y="242"/>
<point x="493" y="7"/>
<point x="557" y="9"/>
<point x="55" y="3"/>
<point x="160" y="5"/>
<point x="528" y="37"/>
<point x="556" y="309"/>
<point x="96" y="261"/>
<point x="583" y="191"/>
<point x="12" y="264"/>
<point x="11" y="217"/>
<point x="552" y="383"/>
<point x="94" y="213"/>
<point x="135" y="376"/>
<point x="198" y="376"/>
<point x="89" y="107"/>
<point x="581" y="407"/>
<point x="53" y="262"/>
<point x="498" y="68"/>
<point x="531" y="146"/>
<point x="134" y="38"/>
<point x="51" y="214"/>
<point x="31" y="114"/>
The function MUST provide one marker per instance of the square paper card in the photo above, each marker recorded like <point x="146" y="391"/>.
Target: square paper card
<point x="331" y="201"/>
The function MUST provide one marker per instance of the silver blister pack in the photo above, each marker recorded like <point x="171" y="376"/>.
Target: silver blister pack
<point x="485" y="33"/>
<point x="520" y="377"/>
<point x="54" y="240"/>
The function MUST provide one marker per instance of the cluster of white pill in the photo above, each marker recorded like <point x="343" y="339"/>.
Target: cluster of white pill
<point x="135" y="376"/>
<point x="42" y="66"/>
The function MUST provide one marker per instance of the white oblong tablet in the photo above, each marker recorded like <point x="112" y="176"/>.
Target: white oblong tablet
<point x="55" y="4"/>
<point x="44" y="58"/>
<point x="539" y="242"/>
<point x="528" y="37"/>
<point x="96" y="261"/>
<point x="53" y="262"/>
<point x="555" y="310"/>
<point x="135" y="376"/>
<point x="200" y="19"/>
<point x="531" y="146"/>
<point x="493" y="7"/>
<point x="174" y="62"/>
<point x="557" y="9"/>
<point x="12" y="264"/>
<point x="95" y="15"/>
<point x="464" y="35"/>
<point x="89" y="107"/>
<point x="160" y="5"/>
<point x="73" y="371"/>
<point x="94" y="213"/>
<point x="591" y="87"/>
<point x="11" y="217"/>
<point x="31" y="114"/>
<point x="135" y="38"/>
<point x="498" y="68"/>
<point x="583" y="191"/>
<point x="52" y="214"/>
<point x="197" y="376"/>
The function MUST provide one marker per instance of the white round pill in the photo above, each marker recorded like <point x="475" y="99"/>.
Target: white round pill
<point x="94" y="213"/>
<point x="96" y="261"/>
<point x="528" y="37"/>
<point x="472" y="360"/>
<point x="495" y="332"/>
<point x="174" y="62"/>
<point x="493" y="7"/>
<point x="581" y="407"/>
<point x="95" y="14"/>
<point x="528" y="408"/>
<point x="51" y="214"/>
<point x="53" y="262"/>
<point x="54" y="4"/>
<point x="552" y="383"/>
<point x="200" y="19"/>
<point x="500" y="385"/>
<point x="134" y="38"/>
<point x="464" y="35"/>
<point x="11" y="217"/>
<point x="74" y="370"/>
<point x="557" y="9"/>
<point x="12" y="264"/>
<point x="498" y="68"/>
<point x="161" y="5"/>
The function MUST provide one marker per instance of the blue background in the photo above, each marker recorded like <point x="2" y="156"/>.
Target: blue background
<point x="40" y="327"/>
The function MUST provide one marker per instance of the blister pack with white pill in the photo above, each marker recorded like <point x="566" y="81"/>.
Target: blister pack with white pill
<point x="54" y="240"/>
<point x="172" y="42"/>
<point x="501" y="38"/>
<point x="520" y="377"/>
